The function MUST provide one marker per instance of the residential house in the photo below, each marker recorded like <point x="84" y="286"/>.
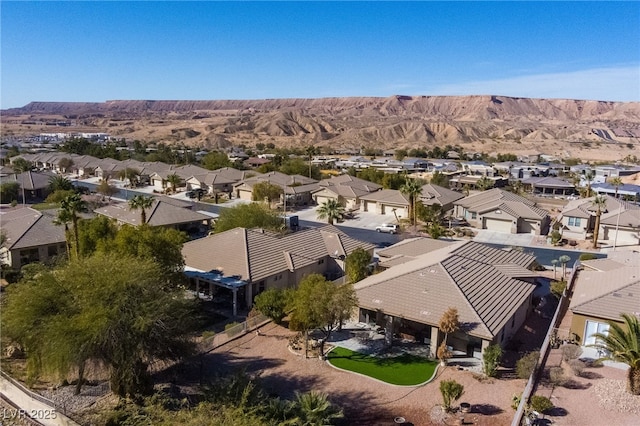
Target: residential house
<point x="619" y="220"/>
<point x="434" y="195"/>
<point x="165" y="211"/>
<point x="255" y="162"/>
<point x="345" y="189"/>
<point x="502" y="211"/>
<point x="259" y="260"/>
<point x="386" y="202"/>
<point x="604" y="289"/>
<point x="297" y="188"/>
<point x="625" y="191"/>
<point x="548" y="186"/>
<point x="35" y="184"/>
<point x="30" y="236"/>
<point x="460" y="183"/>
<point x="491" y="289"/>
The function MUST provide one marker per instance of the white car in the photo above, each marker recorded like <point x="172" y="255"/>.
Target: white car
<point x="390" y="228"/>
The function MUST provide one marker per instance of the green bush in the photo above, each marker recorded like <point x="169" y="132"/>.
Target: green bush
<point x="558" y="287"/>
<point x="491" y="360"/>
<point x="527" y="364"/>
<point x="451" y="391"/>
<point x="556" y="376"/>
<point x="587" y="256"/>
<point x="540" y="403"/>
<point x="570" y="352"/>
<point x="272" y="303"/>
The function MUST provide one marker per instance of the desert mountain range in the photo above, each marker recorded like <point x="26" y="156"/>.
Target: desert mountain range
<point x="563" y="127"/>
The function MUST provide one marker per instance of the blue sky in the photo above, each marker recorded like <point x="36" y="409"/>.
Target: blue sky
<point x="98" y="51"/>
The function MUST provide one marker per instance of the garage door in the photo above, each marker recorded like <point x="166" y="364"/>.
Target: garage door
<point x="322" y="199"/>
<point x="497" y="225"/>
<point x="369" y="206"/>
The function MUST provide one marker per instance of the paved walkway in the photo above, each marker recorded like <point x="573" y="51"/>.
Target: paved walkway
<point x="43" y="413"/>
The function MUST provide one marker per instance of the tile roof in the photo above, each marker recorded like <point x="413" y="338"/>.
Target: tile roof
<point x="548" y="182"/>
<point x="387" y="196"/>
<point x="254" y="254"/>
<point x="463" y="275"/>
<point x="497" y="198"/>
<point x="434" y="194"/>
<point x="164" y="212"/>
<point x="30" y="180"/>
<point x="26" y="227"/>
<point x="607" y="294"/>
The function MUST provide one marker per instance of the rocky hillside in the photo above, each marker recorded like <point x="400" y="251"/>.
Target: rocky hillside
<point x="486" y="123"/>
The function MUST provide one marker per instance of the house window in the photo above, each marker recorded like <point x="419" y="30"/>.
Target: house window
<point x="52" y="251"/>
<point x="473" y="215"/>
<point x="260" y="286"/>
<point x="320" y="262"/>
<point x="574" y="221"/>
<point x="29" y="255"/>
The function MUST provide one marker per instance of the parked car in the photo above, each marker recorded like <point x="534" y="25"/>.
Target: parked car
<point x="390" y="228"/>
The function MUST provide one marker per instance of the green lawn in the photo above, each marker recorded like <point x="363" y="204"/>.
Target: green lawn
<point x="401" y="370"/>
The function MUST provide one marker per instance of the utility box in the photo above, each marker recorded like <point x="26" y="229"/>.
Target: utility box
<point x="292" y="222"/>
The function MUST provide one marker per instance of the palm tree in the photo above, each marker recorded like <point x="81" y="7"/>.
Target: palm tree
<point x="600" y="203"/>
<point x="59" y="183"/>
<point x="330" y="210"/>
<point x="589" y="176"/>
<point x="314" y="409"/>
<point x="311" y="151"/>
<point x="622" y="344"/>
<point x="174" y="180"/>
<point x="69" y="209"/>
<point x="617" y="183"/>
<point x="564" y="259"/>
<point x="142" y="203"/>
<point x="412" y="188"/>
<point x="19" y="166"/>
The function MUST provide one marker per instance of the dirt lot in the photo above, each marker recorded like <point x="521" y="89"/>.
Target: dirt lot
<point x="366" y="401"/>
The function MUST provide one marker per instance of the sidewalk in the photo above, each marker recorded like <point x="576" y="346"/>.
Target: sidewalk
<point x="38" y="410"/>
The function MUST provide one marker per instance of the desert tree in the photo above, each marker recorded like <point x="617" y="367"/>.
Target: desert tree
<point x="251" y="215"/>
<point x="320" y="304"/>
<point x="104" y="309"/>
<point x="356" y="266"/>
<point x="266" y="191"/>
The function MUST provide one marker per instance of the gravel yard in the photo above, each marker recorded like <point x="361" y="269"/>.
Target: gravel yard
<point x="366" y="401"/>
<point x="598" y="398"/>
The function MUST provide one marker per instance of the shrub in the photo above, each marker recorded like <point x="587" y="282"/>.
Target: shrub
<point x="451" y="391"/>
<point x="577" y="366"/>
<point x="272" y="303"/>
<point x="540" y="403"/>
<point x="527" y="364"/>
<point x="515" y="401"/>
<point x="556" y="236"/>
<point x="587" y="256"/>
<point x="491" y="360"/>
<point x="570" y="352"/>
<point x="558" y="287"/>
<point x="556" y="376"/>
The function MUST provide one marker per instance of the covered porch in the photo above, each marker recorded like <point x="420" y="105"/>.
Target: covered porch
<point x="215" y="279"/>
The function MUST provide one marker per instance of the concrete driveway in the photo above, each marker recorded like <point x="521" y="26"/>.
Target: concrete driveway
<point x="361" y="220"/>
